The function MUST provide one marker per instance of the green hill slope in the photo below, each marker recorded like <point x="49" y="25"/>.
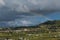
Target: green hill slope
<point x="51" y="25"/>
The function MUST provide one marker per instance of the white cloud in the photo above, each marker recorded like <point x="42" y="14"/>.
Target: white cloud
<point x="14" y="23"/>
<point x="27" y="5"/>
<point x="2" y="3"/>
<point x="19" y="22"/>
<point x="26" y="23"/>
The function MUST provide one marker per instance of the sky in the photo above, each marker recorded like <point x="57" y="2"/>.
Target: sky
<point x="28" y="12"/>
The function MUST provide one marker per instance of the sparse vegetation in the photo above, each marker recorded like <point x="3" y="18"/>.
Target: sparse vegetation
<point x="49" y="30"/>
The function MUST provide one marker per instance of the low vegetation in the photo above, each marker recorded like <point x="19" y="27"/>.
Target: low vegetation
<point x="49" y="30"/>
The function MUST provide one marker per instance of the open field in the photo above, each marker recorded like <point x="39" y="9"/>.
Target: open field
<point x="45" y="31"/>
<point x="29" y="35"/>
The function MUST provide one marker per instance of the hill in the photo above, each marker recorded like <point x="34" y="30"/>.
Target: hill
<point x="51" y="22"/>
<point x="53" y="26"/>
<point x="49" y="30"/>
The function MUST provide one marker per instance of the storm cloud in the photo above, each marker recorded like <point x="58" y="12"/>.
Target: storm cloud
<point x="11" y="10"/>
<point x="28" y="5"/>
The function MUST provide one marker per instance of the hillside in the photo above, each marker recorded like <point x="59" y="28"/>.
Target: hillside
<point x="53" y="26"/>
<point x="49" y="30"/>
<point x="51" y="22"/>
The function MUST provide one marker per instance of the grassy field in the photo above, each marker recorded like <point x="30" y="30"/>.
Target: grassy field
<point x="23" y="35"/>
<point x="46" y="31"/>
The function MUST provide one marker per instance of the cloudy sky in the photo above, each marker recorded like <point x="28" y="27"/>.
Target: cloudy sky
<point x="28" y="12"/>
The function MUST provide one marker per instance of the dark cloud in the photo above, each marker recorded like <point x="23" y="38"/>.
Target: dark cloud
<point x="10" y="10"/>
<point x="8" y="15"/>
<point x="28" y="5"/>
